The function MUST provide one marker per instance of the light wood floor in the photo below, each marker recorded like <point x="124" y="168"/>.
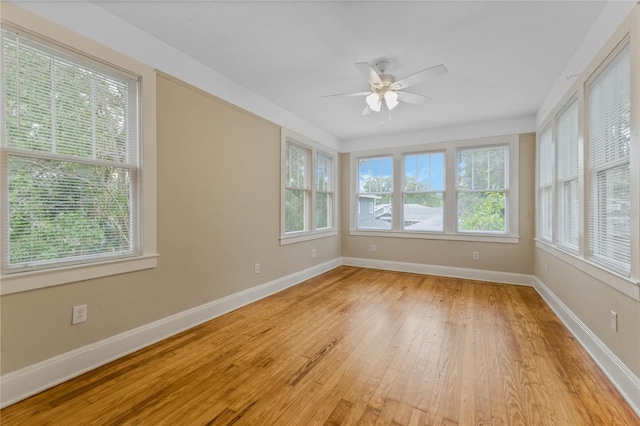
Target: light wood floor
<point x="353" y="346"/>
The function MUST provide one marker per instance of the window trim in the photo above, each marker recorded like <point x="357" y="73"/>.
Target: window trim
<point x="311" y="233"/>
<point x="40" y="29"/>
<point x="449" y="148"/>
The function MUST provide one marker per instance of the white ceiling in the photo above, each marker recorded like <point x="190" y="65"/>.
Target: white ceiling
<point x="503" y="56"/>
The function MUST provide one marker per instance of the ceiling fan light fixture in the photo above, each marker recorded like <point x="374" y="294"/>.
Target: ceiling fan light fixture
<point x="391" y="99"/>
<point x="373" y="99"/>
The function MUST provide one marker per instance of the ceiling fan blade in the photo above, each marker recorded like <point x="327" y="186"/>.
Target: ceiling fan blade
<point x="347" y="95"/>
<point x="412" y="98"/>
<point x="420" y="77"/>
<point x="369" y="72"/>
<point x="366" y="110"/>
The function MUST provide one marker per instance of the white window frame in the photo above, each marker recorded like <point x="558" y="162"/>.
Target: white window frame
<point x="544" y="187"/>
<point x="310" y="232"/>
<point x="505" y="190"/>
<point x="629" y="285"/>
<point x="443" y="191"/>
<point x="371" y="206"/>
<point x="591" y="171"/>
<point x="330" y="191"/>
<point x="450" y="214"/>
<point x="39" y="29"/>
<point x="559" y="208"/>
<point x="305" y="189"/>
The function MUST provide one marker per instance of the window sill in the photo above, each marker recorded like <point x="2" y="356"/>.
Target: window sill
<point x="628" y="286"/>
<point x="25" y="281"/>
<point x="292" y="239"/>
<point x="485" y="238"/>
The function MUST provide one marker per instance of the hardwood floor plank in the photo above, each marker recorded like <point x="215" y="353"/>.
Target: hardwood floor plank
<point x="352" y="346"/>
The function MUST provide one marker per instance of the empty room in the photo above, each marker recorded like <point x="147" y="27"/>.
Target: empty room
<point x="319" y="212"/>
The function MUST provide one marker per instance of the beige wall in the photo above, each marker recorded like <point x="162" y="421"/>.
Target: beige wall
<point x="591" y="301"/>
<point x="514" y="258"/>
<point x="218" y="215"/>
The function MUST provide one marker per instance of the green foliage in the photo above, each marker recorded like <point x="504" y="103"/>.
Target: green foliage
<point x="481" y="211"/>
<point x="294" y="210"/>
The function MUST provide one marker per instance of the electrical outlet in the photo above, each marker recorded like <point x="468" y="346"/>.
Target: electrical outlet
<point x="476" y="255"/>
<point x="314" y="252"/>
<point x="613" y="321"/>
<point x="373" y="247"/>
<point x="256" y="268"/>
<point x="79" y="314"/>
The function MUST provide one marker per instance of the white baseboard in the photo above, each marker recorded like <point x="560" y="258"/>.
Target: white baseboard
<point x="35" y="378"/>
<point x="622" y="378"/>
<point x="442" y="271"/>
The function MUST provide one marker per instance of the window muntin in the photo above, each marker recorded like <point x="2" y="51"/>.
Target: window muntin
<point x="545" y="185"/>
<point x="375" y="193"/>
<point x="568" y="206"/>
<point x="423" y="195"/>
<point x="608" y="168"/>
<point x="324" y="191"/>
<point x="70" y="158"/>
<point x="297" y="187"/>
<point x="482" y="189"/>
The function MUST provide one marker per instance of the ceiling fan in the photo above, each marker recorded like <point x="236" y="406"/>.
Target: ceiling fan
<point x="385" y="91"/>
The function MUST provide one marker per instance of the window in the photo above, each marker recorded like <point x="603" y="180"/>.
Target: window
<point x="545" y="184"/>
<point x="70" y="158"/>
<point x="404" y="192"/>
<point x="297" y="188"/>
<point x="482" y="189"/>
<point x="308" y="203"/>
<point x="424" y="185"/>
<point x="375" y="193"/>
<point x="324" y="191"/>
<point x="568" y="172"/>
<point x="608" y="174"/>
<point x="76" y="201"/>
<point x="596" y="198"/>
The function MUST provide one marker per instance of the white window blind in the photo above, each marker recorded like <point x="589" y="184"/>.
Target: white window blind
<point x="70" y="138"/>
<point x="324" y="191"/>
<point x="297" y="187"/>
<point x="567" y="213"/>
<point x="545" y="184"/>
<point x="609" y="139"/>
<point x="482" y="189"/>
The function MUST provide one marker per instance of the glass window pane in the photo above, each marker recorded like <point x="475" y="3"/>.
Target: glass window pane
<point x="294" y="210"/>
<point x="424" y="172"/>
<point x="324" y="208"/>
<point x="373" y="213"/>
<point x="481" y="211"/>
<point x="324" y="171"/>
<point x="375" y="175"/>
<point x="64" y="210"/>
<point x="296" y="160"/>
<point x="423" y="212"/>
<point x="612" y="222"/>
<point x="569" y="214"/>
